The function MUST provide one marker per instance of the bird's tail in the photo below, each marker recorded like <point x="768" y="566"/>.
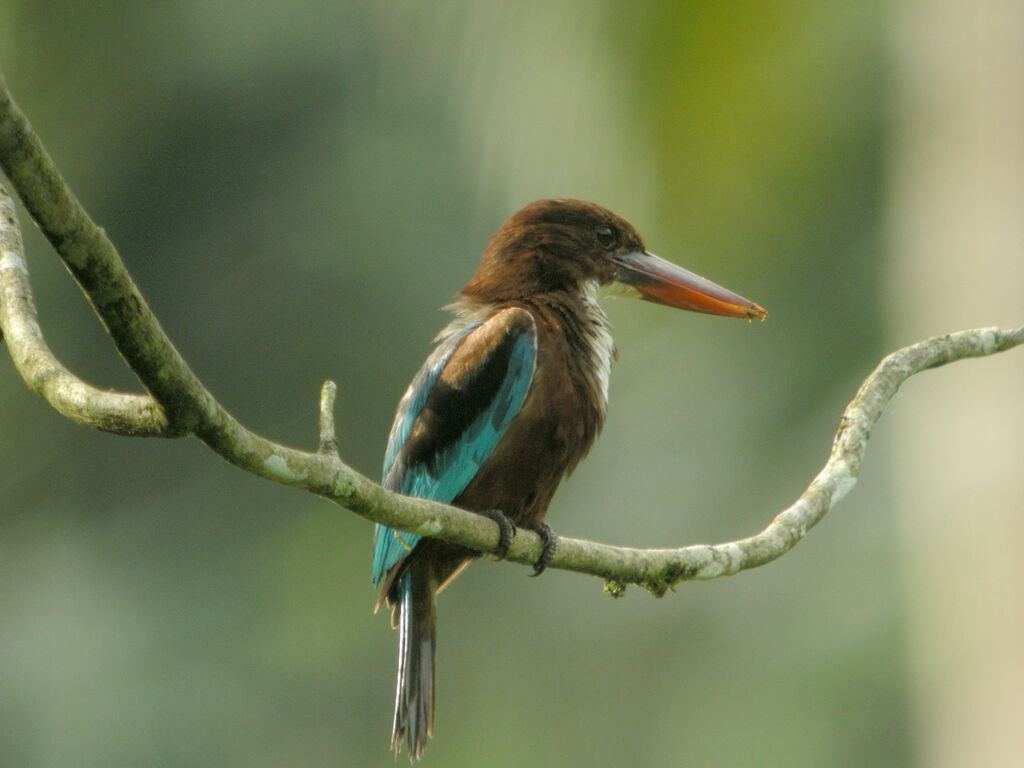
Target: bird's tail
<point x="414" y="692"/>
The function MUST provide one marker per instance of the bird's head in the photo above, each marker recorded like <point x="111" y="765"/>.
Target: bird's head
<point x="567" y="245"/>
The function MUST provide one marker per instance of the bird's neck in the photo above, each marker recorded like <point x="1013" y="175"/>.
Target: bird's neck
<point x="588" y="331"/>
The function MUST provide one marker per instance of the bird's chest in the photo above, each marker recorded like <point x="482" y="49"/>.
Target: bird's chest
<point x="567" y="400"/>
<point x="558" y="422"/>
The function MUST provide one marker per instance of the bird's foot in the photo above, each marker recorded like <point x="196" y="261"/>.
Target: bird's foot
<point x="547" y="553"/>
<point x="506" y="531"/>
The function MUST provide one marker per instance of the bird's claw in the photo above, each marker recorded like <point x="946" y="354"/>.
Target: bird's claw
<point x="547" y="552"/>
<point x="506" y="531"/>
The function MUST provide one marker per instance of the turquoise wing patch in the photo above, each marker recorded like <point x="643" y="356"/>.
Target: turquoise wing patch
<point x="451" y="468"/>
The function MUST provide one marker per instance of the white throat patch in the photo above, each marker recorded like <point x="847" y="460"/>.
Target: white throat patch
<point x="600" y="345"/>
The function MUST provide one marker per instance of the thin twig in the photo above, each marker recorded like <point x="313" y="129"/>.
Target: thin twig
<point x="328" y="438"/>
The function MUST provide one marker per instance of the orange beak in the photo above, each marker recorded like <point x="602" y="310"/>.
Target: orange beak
<point x="663" y="282"/>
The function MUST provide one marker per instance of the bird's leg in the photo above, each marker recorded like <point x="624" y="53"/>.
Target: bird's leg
<point x="506" y="531"/>
<point x="550" y="542"/>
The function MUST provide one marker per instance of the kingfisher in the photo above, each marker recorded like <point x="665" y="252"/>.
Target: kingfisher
<point x="508" y="403"/>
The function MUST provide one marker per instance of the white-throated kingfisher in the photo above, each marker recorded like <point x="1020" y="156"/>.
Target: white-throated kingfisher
<point x="508" y="403"/>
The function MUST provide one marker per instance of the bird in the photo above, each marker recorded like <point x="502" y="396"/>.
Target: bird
<point x="507" y="404"/>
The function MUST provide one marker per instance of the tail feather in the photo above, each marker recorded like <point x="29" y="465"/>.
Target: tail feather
<point x="414" y="691"/>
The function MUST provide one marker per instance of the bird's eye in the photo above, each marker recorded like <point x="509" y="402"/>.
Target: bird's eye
<point x="606" y="237"/>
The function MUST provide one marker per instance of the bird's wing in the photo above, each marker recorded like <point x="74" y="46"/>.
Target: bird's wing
<point x="453" y="415"/>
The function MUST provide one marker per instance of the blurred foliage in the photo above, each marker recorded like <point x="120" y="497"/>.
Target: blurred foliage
<point x="297" y="189"/>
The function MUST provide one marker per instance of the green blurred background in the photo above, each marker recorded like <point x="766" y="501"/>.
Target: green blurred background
<point x="297" y="189"/>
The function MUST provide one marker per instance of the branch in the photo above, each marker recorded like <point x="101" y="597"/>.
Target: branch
<point x="118" y="412"/>
<point x="179" y="404"/>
